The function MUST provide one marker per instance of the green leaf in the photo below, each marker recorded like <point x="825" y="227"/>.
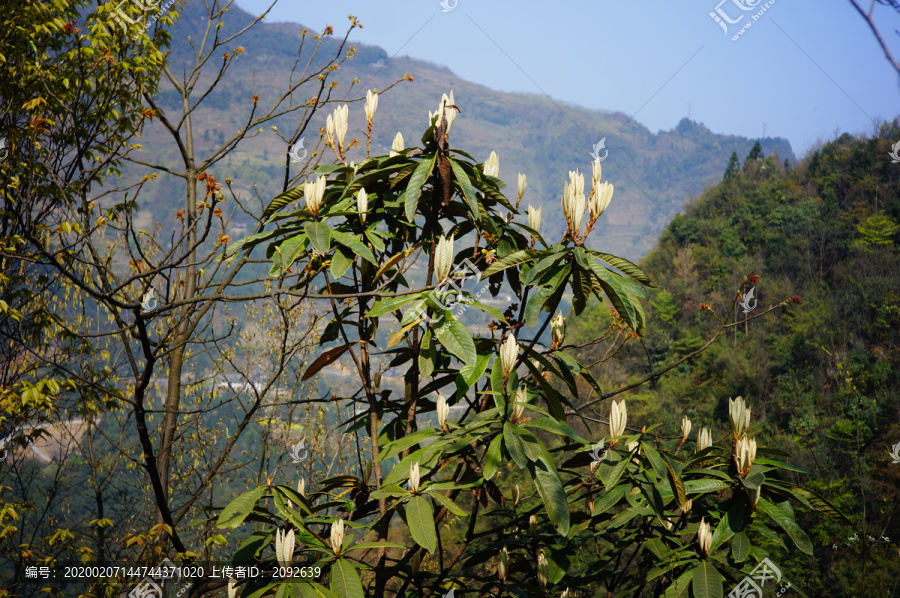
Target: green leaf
<point x="787" y="523"/>
<point x="609" y="500"/>
<point x="456" y="339"/>
<point x="493" y="457"/>
<point x="345" y="581"/>
<point x="401" y="444"/>
<point x="323" y="360"/>
<point x="416" y="182"/>
<point x="519" y="257"/>
<point x="352" y="243"/>
<point x="740" y="547"/>
<point x="237" y="510"/>
<point x="283" y="199"/>
<point x="427" y="355"/>
<point x="550" y="488"/>
<point x="320" y="236"/>
<point x="340" y="263"/>
<point x="470" y="374"/>
<point x="624" y="266"/>
<point x="729" y="525"/>
<point x="468" y="192"/>
<point x="420" y="519"/>
<point x="616" y="472"/>
<point x="389" y="304"/>
<point x="514" y="445"/>
<point x="707" y="581"/>
<point x="704" y="486"/>
<point x="680" y="585"/>
<point x="451" y="506"/>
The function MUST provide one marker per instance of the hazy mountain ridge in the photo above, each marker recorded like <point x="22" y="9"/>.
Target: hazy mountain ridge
<point x="654" y="174"/>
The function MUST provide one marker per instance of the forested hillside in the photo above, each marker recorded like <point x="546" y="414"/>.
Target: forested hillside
<point x="821" y="377"/>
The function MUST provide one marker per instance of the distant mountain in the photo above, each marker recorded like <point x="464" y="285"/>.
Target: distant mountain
<point x="654" y="174"/>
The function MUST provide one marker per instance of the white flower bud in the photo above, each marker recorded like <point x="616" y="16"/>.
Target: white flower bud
<point x="313" y="192"/>
<point x="337" y="535"/>
<point x="739" y="415"/>
<point x="519" y="406"/>
<point x="340" y="123"/>
<point x="534" y="219"/>
<point x="596" y="172"/>
<point x="449" y="113"/>
<point x="443" y="259"/>
<point x="492" y="165"/>
<point x="414" y="478"/>
<point x="704" y="440"/>
<point x="685" y="428"/>
<point x="509" y="351"/>
<point x="516" y="496"/>
<point x="745" y="452"/>
<point x="301" y="486"/>
<point x="618" y="419"/>
<point x="443" y="409"/>
<point x="558" y="329"/>
<point x="504" y="564"/>
<point x="371" y="104"/>
<point x="543" y="570"/>
<point x="600" y="199"/>
<point x="755" y="494"/>
<point x="329" y="130"/>
<point x="397" y="146"/>
<point x="704" y="536"/>
<point x="284" y="547"/>
<point x="362" y="204"/>
<point x="232" y="588"/>
<point x="687" y="506"/>
<point x="522" y="185"/>
<point x="532" y="525"/>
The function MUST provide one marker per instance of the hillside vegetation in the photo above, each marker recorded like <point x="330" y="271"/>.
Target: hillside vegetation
<point x="822" y="377"/>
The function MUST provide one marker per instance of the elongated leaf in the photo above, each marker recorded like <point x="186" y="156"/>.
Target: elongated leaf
<point x="416" y="182"/>
<point x="345" y="581"/>
<point x="624" y="266"/>
<point x="401" y="444"/>
<point x="680" y="585"/>
<point x="420" y="519"/>
<point x="729" y="525"/>
<point x="704" y="486"/>
<point x="427" y="355"/>
<point x="389" y="304"/>
<point x="519" y="257"/>
<point x="282" y="200"/>
<point x="470" y="374"/>
<point x="740" y="547"/>
<point x="451" y="506"/>
<point x="550" y="488"/>
<point x="468" y="192"/>
<point x="376" y="545"/>
<point x="395" y="338"/>
<point x="609" y="500"/>
<point x="493" y="457"/>
<point x="707" y="581"/>
<point x="394" y="261"/>
<point x="677" y="484"/>
<point x="355" y="245"/>
<point x="237" y="510"/>
<point x="514" y="445"/>
<point x="323" y="360"/>
<point x="787" y="523"/>
<point x="616" y="472"/>
<point x="456" y="339"/>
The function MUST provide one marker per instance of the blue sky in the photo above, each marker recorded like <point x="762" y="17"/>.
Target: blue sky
<point x="804" y="70"/>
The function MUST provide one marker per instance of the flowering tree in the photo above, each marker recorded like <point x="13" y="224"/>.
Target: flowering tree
<point x="507" y="497"/>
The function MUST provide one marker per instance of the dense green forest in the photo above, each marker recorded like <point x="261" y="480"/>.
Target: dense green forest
<point x="822" y="377"/>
